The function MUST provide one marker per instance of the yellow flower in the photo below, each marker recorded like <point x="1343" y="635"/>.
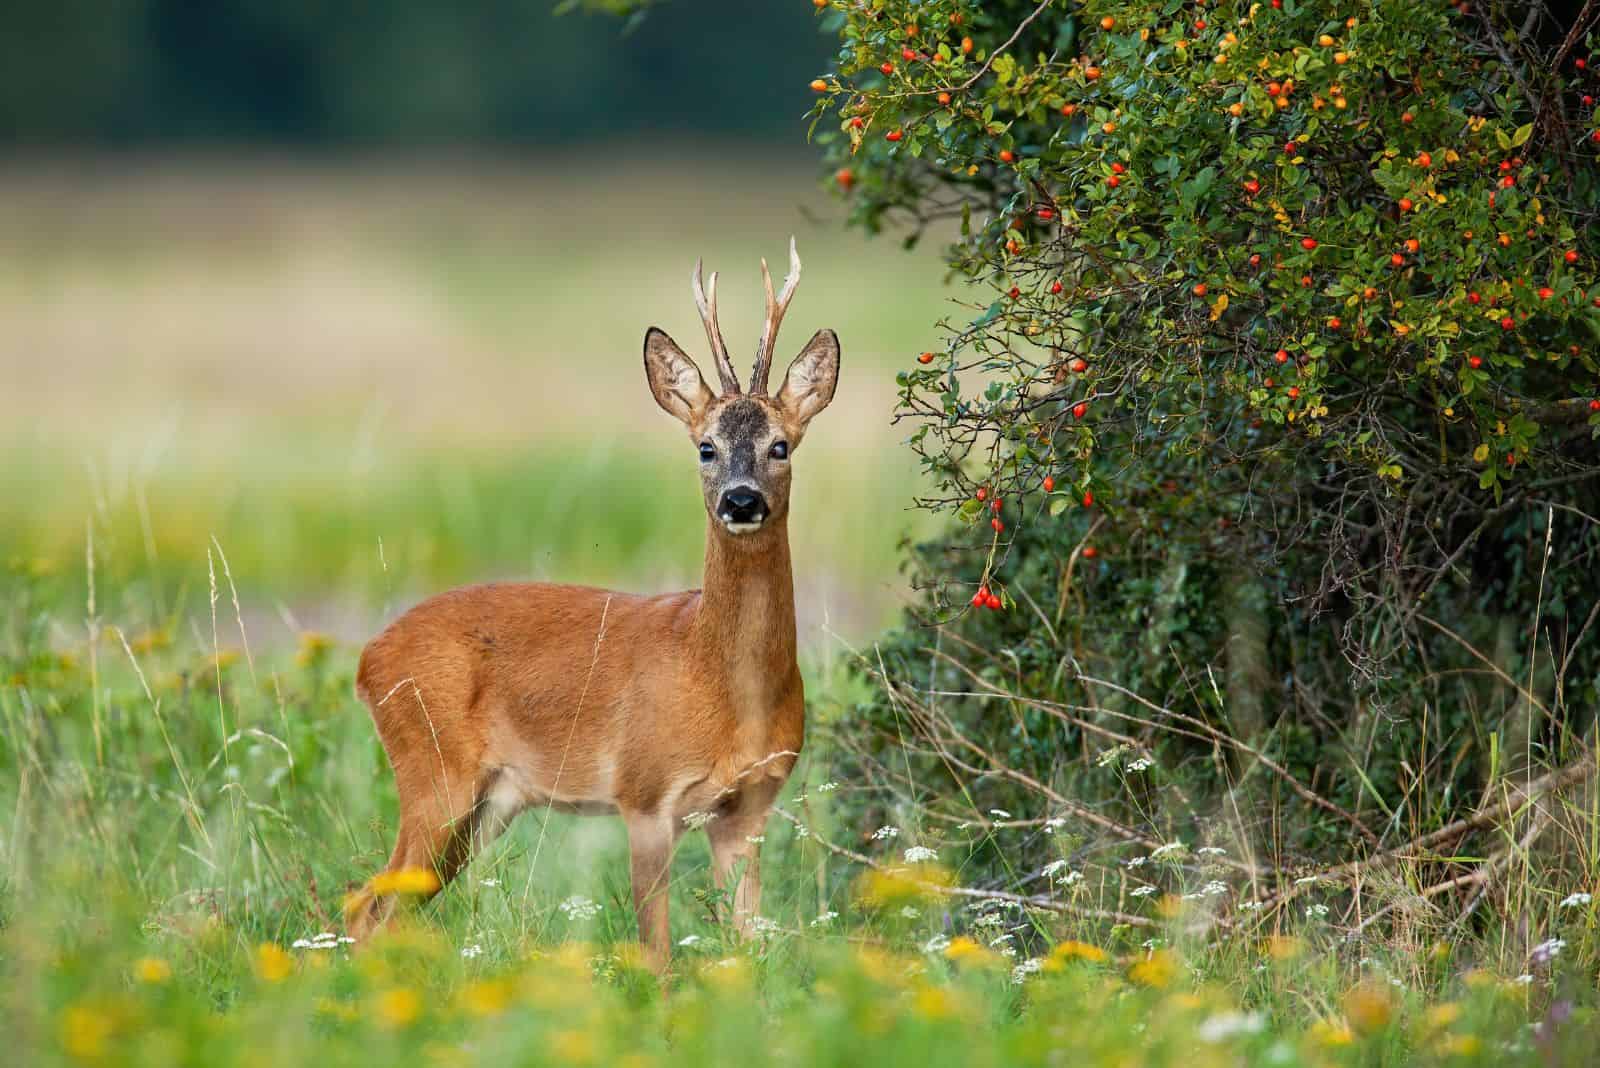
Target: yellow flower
<point x="415" y="882"/>
<point x="313" y="648"/>
<point x="151" y="970"/>
<point x="1369" y="1008"/>
<point x="1157" y="970"/>
<point x="891" y="887"/>
<point x="1329" y="1033"/>
<point x="1283" y="947"/>
<point x="84" y="1031"/>
<point x="1459" y="1045"/>
<point x="1074" y="950"/>
<point x="965" y="950"/>
<point x="489" y="997"/>
<point x="1442" y="1015"/>
<point x="398" y="1007"/>
<point x="574" y="1047"/>
<point x="936" y="1003"/>
<point x="273" y="965"/>
<point x="1481" y="453"/>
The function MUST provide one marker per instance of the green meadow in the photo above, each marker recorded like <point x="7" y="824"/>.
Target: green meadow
<point x="252" y="410"/>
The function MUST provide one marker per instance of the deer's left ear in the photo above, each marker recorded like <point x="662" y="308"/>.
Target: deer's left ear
<point x="812" y="378"/>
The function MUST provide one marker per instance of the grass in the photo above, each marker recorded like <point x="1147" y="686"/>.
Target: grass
<point x="179" y="815"/>
<point x="309" y="397"/>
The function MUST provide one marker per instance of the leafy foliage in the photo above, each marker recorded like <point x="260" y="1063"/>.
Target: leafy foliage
<point x="1277" y="397"/>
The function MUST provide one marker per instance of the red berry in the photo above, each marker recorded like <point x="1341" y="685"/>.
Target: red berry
<point x="1545" y="292"/>
<point x="1113" y="181"/>
<point x="1474" y="362"/>
<point x="1255" y="260"/>
<point x="1055" y="287"/>
<point x="983" y="492"/>
<point x="1408" y="118"/>
<point x="980" y="598"/>
<point x="1080" y="410"/>
<point x="1015" y="292"/>
<point x="1424" y="160"/>
<point x="1294" y="391"/>
<point x="998" y="524"/>
<point x="907" y="54"/>
<point x="1580" y="64"/>
<point x="1088" y="499"/>
<point x="992" y="603"/>
<point x="1117" y="168"/>
<point x="1308" y="243"/>
<point x="1290" y="148"/>
<point x="1252" y="187"/>
<point x="1334" y="323"/>
<point x="1594" y="406"/>
<point x="1079" y="365"/>
<point x="1507" y="182"/>
<point x="858" y="122"/>
<point x="996" y="504"/>
<point x="1090" y="552"/>
<point x="1282" y="355"/>
<point x="1507" y="323"/>
<point x="1474" y="298"/>
<point x="926" y="357"/>
<point x="1406" y="204"/>
<point x="1046" y="214"/>
<point x="1397" y="260"/>
<point x="1049" y="484"/>
<point x="1571" y="256"/>
<point x="1277" y="3"/>
<point x="887" y="68"/>
<point x="1006" y="155"/>
<point x="893" y="135"/>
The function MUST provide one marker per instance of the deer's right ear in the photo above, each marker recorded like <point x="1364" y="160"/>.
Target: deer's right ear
<point x="674" y="379"/>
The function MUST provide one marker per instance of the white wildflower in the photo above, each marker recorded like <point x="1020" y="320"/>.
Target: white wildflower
<point x="755" y="839"/>
<point x="761" y="925"/>
<point x="883" y="834"/>
<point x="1055" y="823"/>
<point x="937" y="944"/>
<point x="826" y="787"/>
<point x="689" y="940"/>
<point x="1316" y="912"/>
<point x="1071" y="878"/>
<point x="1214" y="888"/>
<point x="919" y="854"/>
<point x="1226" y="1025"/>
<point x="474" y="950"/>
<point x="999" y="813"/>
<point x="825" y="918"/>
<point x="578" y="907"/>
<point x="1051" y="868"/>
<point x="1523" y="980"/>
<point x="1142" y="891"/>
<point x="910" y="912"/>
<point x="1252" y="906"/>
<point x="1144" y="763"/>
<point x="1578" y="900"/>
<point x="1138" y="862"/>
<point x="1167" y="850"/>
<point x="1211" y="851"/>
<point x="696" y="820"/>
<point x="488" y="882"/>
<point x="1304" y="879"/>
<point x="1020" y="973"/>
<point x="1548" y="950"/>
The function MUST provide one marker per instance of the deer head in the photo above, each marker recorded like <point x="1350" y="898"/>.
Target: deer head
<point x="745" y="439"/>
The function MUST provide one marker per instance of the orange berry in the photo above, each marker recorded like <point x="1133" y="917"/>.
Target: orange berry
<point x="1107" y="23"/>
<point x="1199" y="289"/>
<point x="966" y="46"/>
<point x="926" y="357"/>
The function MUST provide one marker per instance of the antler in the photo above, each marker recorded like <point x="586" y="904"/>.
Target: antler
<point x="708" y="315"/>
<point x="775" y="309"/>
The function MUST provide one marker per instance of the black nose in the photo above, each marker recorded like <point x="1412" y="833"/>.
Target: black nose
<point x="743" y="506"/>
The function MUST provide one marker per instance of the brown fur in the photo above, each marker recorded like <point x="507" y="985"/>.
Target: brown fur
<point x="490" y="699"/>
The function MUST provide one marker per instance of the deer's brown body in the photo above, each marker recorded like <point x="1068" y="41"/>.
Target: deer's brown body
<point x="664" y="710"/>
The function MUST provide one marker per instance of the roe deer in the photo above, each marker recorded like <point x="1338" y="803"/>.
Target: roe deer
<point x="491" y="699"/>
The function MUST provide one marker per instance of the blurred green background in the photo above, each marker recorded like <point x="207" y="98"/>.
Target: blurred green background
<point x="352" y="297"/>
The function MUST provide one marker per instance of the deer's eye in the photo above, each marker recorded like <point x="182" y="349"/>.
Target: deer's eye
<point x="780" y="450"/>
<point x="708" y="452"/>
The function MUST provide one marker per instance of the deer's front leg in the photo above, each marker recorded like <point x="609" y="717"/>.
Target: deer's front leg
<point x="650" y="843"/>
<point x="736" y="849"/>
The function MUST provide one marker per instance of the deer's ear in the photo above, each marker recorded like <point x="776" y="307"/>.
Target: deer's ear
<point x="812" y="378"/>
<point x="674" y="379"/>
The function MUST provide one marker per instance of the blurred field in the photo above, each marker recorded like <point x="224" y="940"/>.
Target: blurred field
<point x="367" y="381"/>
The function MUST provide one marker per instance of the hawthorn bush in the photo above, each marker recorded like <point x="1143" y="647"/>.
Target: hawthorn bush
<point x="1273" y="402"/>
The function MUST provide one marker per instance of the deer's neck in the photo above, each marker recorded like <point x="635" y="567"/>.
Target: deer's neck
<point x="746" y="630"/>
